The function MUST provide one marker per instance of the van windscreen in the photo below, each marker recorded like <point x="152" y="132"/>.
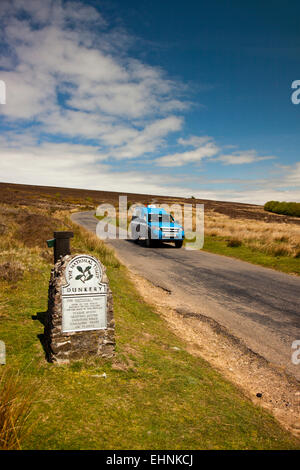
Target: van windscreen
<point x="166" y="218"/>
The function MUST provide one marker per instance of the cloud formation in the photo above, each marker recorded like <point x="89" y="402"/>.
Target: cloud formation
<point x="66" y="74"/>
<point x="81" y="109"/>
<point x="205" y="148"/>
<point x="240" y="158"/>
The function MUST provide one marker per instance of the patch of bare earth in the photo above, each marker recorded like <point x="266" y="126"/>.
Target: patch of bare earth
<point x="266" y="385"/>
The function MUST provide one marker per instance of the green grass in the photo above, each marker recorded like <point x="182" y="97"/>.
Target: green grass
<point x="220" y="246"/>
<point x="154" y="397"/>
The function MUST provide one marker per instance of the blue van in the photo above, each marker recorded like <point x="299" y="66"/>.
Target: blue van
<point x="154" y="224"/>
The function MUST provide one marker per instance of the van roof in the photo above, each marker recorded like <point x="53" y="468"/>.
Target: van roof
<point x="154" y="210"/>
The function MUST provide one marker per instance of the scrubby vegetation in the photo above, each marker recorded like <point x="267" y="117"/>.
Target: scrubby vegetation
<point x="272" y="239"/>
<point x="286" y="208"/>
<point x="15" y="409"/>
<point x="11" y="271"/>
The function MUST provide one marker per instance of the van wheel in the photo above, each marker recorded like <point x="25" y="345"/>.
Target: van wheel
<point x="135" y="240"/>
<point x="178" y="243"/>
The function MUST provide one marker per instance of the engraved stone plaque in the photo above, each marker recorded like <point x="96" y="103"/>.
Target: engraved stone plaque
<point x="84" y="298"/>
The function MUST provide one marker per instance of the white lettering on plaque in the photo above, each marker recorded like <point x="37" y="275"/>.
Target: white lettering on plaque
<point x="84" y="297"/>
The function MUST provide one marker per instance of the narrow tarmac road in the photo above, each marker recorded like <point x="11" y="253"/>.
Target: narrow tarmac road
<point x="258" y="305"/>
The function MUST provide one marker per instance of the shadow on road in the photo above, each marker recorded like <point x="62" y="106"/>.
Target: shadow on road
<point x="156" y="244"/>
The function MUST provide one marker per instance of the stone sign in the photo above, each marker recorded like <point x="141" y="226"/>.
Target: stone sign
<point x="84" y="297"/>
<point x="80" y="312"/>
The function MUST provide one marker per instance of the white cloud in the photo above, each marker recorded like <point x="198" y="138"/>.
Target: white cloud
<point x="56" y="11"/>
<point x="146" y="140"/>
<point x="80" y="166"/>
<point x="240" y="158"/>
<point x="293" y="177"/>
<point x="193" y="141"/>
<point x="207" y="149"/>
<point x="102" y="88"/>
<point x="260" y="195"/>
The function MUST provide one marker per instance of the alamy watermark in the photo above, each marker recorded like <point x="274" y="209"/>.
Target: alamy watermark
<point x="175" y="222"/>
<point x="296" y="352"/>
<point x="295" y="97"/>
<point x="2" y="353"/>
<point x="2" y="92"/>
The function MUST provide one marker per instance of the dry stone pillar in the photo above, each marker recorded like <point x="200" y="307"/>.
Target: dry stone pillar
<point x="79" y="320"/>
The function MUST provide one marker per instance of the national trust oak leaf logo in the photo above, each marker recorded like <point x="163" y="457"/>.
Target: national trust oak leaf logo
<point x="85" y="275"/>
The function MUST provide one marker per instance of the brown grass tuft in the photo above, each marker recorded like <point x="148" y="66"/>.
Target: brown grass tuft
<point x="15" y="408"/>
<point x="3" y="229"/>
<point x="233" y="242"/>
<point x="11" y="271"/>
<point x="297" y="254"/>
<point x="35" y="228"/>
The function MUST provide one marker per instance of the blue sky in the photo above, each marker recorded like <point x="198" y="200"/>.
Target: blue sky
<point x="175" y="98"/>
